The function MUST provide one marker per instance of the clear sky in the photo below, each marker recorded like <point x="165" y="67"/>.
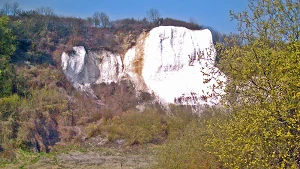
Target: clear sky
<point x="212" y="13"/>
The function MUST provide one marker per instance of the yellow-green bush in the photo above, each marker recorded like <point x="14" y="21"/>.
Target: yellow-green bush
<point x="263" y="71"/>
<point x="9" y="116"/>
<point x="9" y="107"/>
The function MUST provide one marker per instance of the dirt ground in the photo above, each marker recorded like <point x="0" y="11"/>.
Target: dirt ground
<point x="92" y="155"/>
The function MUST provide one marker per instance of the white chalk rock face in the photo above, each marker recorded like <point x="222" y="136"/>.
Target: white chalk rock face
<point x="167" y="61"/>
<point x="84" y="68"/>
<point x="174" y="59"/>
<point x="110" y="67"/>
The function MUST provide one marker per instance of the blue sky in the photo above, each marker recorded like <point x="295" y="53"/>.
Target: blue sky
<point x="213" y="13"/>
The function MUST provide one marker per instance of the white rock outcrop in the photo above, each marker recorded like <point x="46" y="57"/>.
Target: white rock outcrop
<point x="84" y="68"/>
<point x="168" y="62"/>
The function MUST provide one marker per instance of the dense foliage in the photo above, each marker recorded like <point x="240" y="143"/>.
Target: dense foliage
<point x="7" y="48"/>
<point x="263" y="89"/>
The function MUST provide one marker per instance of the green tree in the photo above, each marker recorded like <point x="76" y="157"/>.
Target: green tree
<point x="7" y="48"/>
<point x="263" y="89"/>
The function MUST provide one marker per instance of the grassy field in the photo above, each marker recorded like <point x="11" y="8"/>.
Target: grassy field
<point x="111" y="155"/>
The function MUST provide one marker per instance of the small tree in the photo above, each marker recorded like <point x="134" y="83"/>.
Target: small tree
<point x="101" y="19"/>
<point x="15" y="9"/>
<point x="6" y="10"/>
<point x="96" y="18"/>
<point x="47" y="11"/>
<point x="104" y="19"/>
<point x="153" y="15"/>
<point x="90" y="21"/>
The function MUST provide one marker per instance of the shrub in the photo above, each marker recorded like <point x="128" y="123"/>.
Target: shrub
<point x="9" y="107"/>
<point x="9" y="116"/>
<point x="133" y="126"/>
<point x="262" y="89"/>
<point x="178" y="119"/>
<point x="118" y="98"/>
<point x="189" y="147"/>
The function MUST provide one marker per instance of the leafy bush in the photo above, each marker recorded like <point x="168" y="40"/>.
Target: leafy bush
<point x="31" y="122"/>
<point x="178" y="119"/>
<point x="189" y="147"/>
<point x="9" y="107"/>
<point x="38" y="120"/>
<point x="133" y="126"/>
<point x="9" y="116"/>
<point x="262" y="91"/>
<point x="7" y="48"/>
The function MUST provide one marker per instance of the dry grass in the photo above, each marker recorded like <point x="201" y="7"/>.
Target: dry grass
<point x="132" y="126"/>
<point x="106" y="156"/>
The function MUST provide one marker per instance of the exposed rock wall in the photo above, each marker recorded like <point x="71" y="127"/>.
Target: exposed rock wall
<point x="167" y="61"/>
<point x="83" y="68"/>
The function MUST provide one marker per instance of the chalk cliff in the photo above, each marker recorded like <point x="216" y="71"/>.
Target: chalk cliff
<point x="167" y="61"/>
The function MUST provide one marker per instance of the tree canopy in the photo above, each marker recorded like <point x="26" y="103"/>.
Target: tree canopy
<point x="263" y="89"/>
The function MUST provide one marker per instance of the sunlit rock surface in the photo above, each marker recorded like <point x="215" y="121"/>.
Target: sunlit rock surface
<point x="167" y="61"/>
